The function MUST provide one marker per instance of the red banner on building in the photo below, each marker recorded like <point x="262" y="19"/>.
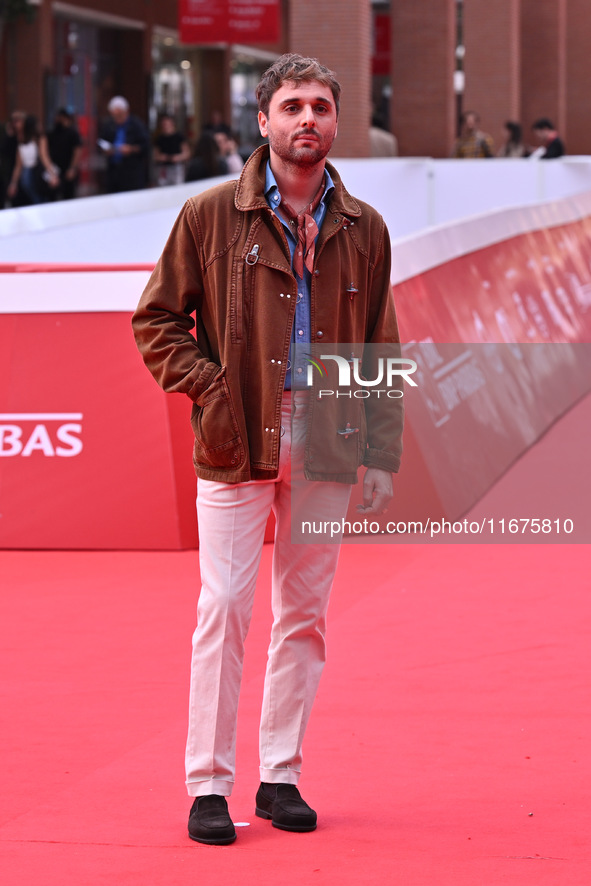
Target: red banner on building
<point x="382" y="42"/>
<point x="229" y="21"/>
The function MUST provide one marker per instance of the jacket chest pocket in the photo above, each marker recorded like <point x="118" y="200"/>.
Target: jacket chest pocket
<point x="241" y="297"/>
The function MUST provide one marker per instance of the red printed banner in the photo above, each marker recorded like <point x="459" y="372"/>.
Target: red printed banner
<point x="530" y="288"/>
<point x="519" y="313"/>
<point x="81" y="454"/>
<point x="229" y="21"/>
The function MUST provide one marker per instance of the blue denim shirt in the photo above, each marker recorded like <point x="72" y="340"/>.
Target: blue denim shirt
<point x="301" y="326"/>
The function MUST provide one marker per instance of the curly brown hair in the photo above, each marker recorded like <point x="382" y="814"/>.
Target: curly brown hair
<point x="297" y="69"/>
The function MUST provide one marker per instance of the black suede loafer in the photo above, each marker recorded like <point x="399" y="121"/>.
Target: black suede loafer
<point x="282" y="803"/>
<point x="210" y="822"/>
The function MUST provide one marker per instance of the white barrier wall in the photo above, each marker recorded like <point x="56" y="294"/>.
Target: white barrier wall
<point x="411" y="193"/>
<point x="118" y="288"/>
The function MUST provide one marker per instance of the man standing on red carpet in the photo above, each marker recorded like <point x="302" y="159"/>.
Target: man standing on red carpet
<point x="283" y="256"/>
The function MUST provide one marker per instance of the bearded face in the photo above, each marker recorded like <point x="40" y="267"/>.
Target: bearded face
<point x="301" y="124"/>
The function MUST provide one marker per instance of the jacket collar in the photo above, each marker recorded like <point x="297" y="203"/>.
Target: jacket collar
<point x="250" y="191"/>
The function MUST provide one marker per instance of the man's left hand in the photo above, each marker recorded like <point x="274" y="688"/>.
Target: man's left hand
<point x="377" y="491"/>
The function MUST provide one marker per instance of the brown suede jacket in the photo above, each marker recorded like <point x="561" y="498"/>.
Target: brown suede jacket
<point x="227" y="261"/>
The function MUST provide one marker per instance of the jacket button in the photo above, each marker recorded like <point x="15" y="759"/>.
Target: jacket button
<point x="320" y="334"/>
<point x="316" y="273"/>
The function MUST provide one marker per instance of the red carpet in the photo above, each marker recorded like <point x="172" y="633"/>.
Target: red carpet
<point x="449" y="743"/>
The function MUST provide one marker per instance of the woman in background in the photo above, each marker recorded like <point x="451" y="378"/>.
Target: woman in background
<point x="513" y="145"/>
<point x="33" y="171"/>
<point x="171" y="152"/>
<point x="207" y="159"/>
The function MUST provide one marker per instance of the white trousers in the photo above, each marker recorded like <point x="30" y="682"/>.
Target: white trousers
<point x="232" y="521"/>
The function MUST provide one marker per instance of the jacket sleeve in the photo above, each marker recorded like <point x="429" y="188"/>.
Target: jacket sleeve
<point x="385" y="414"/>
<point x="162" y="322"/>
